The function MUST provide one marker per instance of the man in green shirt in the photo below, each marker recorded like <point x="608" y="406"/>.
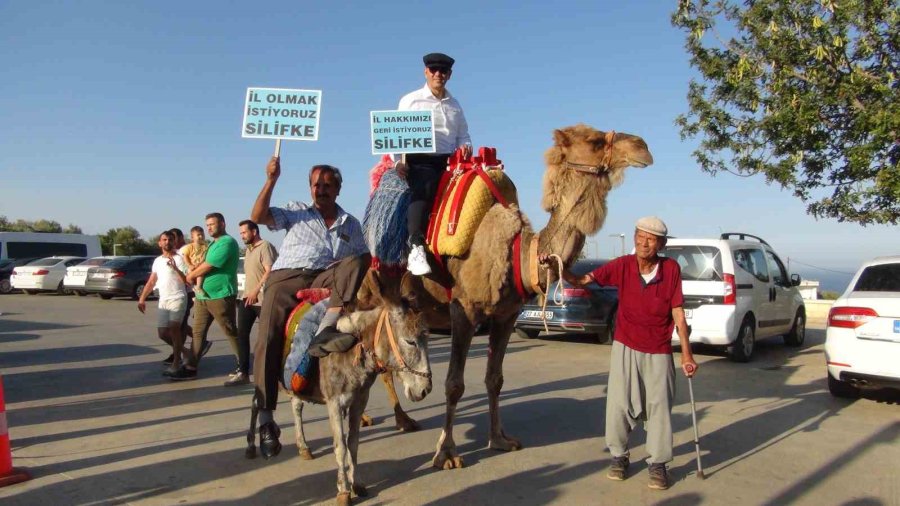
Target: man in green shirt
<point x="217" y="302"/>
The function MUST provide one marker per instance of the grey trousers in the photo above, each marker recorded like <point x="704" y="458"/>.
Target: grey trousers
<point x="641" y="388"/>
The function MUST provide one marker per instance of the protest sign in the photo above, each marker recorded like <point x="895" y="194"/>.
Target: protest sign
<point x="402" y="132"/>
<point x="277" y="113"/>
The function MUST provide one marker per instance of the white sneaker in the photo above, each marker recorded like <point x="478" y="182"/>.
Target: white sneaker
<point x="417" y="263"/>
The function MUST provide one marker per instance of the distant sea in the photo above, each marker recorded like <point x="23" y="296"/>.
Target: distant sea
<point x="832" y="280"/>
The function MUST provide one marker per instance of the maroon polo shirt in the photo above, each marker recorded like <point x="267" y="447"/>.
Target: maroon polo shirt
<point x="644" y="319"/>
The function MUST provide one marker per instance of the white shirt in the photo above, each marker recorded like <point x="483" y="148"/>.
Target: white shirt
<point x="168" y="283"/>
<point x="450" y="128"/>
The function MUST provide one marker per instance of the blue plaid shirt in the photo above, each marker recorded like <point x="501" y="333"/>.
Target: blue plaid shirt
<point x="308" y="244"/>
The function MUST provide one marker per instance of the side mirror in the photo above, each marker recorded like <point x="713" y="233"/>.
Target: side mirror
<point x="795" y="280"/>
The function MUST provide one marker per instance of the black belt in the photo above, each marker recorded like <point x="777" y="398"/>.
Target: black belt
<point x="310" y="272"/>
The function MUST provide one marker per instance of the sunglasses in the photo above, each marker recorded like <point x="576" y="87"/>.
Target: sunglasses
<point x="442" y="70"/>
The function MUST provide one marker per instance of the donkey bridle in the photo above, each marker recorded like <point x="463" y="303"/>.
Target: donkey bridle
<point x="384" y="321"/>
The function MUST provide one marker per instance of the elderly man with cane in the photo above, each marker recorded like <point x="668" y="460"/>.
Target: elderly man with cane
<point x="641" y="373"/>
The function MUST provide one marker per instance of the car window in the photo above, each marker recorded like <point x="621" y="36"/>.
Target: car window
<point x="44" y="262"/>
<point x="753" y="261"/>
<point x="94" y="261"/>
<point x="779" y="273"/>
<point x="698" y="263"/>
<point x="879" y="278"/>
<point x="117" y="263"/>
<point x="74" y="261"/>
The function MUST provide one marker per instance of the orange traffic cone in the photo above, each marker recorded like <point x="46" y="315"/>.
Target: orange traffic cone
<point x="8" y="474"/>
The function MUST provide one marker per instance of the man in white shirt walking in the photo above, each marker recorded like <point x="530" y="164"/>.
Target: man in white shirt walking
<point x="167" y="275"/>
<point x="423" y="171"/>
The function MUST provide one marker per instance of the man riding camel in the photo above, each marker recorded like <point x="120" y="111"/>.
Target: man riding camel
<point x="423" y="171"/>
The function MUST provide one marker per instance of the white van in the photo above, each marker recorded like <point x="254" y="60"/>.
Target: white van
<point x="737" y="291"/>
<point x="41" y="245"/>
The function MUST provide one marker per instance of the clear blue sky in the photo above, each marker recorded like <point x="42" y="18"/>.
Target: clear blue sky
<point x="129" y="113"/>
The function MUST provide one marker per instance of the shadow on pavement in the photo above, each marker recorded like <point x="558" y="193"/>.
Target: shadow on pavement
<point x="31" y="386"/>
<point x="28" y="326"/>
<point x="72" y="354"/>
<point x="13" y="338"/>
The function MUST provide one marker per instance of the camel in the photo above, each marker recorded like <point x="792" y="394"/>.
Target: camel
<point x="392" y="340"/>
<point x="583" y="165"/>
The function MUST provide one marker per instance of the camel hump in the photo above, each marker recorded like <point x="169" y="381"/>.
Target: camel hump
<point x="477" y="184"/>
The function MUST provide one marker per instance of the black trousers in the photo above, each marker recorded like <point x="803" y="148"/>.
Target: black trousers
<point x="246" y="317"/>
<point x="424" y="176"/>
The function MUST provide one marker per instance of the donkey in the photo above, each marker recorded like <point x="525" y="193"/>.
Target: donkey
<point x="392" y="338"/>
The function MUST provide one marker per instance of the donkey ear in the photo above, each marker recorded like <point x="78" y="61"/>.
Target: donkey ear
<point x="561" y="139"/>
<point x="369" y="294"/>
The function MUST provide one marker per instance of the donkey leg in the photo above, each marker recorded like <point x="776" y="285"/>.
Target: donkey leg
<point x="357" y="407"/>
<point x="403" y="421"/>
<point x="336" y="419"/>
<point x="250" y="451"/>
<point x="462" y="331"/>
<point x="297" y="409"/>
<point x="493" y="379"/>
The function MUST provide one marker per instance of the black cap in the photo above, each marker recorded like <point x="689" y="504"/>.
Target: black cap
<point x="438" y="60"/>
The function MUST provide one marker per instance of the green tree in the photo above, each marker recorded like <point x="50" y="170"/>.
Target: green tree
<point x="126" y="241"/>
<point x="71" y="228"/>
<point x="804" y="92"/>
<point x="46" y="226"/>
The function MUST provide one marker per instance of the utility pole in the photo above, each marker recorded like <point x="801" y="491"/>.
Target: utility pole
<point x="114" y="248"/>
<point x="622" y="237"/>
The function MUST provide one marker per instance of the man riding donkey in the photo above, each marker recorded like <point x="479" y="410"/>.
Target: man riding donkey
<point x="323" y="248"/>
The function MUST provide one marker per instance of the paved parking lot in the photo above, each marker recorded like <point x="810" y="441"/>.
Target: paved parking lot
<point x="91" y="417"/>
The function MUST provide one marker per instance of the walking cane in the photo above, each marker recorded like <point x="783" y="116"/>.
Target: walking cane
<point x="696" y="433"/>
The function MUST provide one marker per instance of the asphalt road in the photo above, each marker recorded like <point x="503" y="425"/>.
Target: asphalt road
<point x="93" y="420"/>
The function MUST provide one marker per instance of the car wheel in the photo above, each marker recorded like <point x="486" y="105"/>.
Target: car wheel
<point x="527" y="333"/>
<point x="105" y="296"/>
<point x="742" y="348"/>
<point x="5" y="286"/>
<point x="138" y="288"/>
<point x="842" y="389"/>
<point x="61" y="290"/>
<point x="797" y="335"/>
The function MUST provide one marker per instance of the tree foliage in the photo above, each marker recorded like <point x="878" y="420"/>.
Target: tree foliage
<point x="804" y="92"/>
<point x="126" y="241"/>
<point x="48" y="226"/>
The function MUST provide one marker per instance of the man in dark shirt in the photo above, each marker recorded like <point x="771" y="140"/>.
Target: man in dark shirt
<point x="641" y="372"/>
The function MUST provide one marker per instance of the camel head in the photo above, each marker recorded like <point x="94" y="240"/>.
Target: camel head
<point x="583" y="165"/>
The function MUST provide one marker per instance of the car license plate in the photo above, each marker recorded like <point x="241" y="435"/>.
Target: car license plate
<point x="688" y="313"/>
<point x="537" y="314"/>
<point x="100" y="276"/>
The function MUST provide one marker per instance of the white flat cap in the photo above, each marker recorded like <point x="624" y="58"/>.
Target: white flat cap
<point x="652" y="225"/>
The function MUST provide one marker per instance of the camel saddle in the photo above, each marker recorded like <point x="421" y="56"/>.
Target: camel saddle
<point x="466" y="192"/>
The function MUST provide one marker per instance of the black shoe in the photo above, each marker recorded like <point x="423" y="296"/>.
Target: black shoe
<point x="618" y="468"/>
<point x="659" y="478"/>
<point x="269" y="445"/>
<point x="206" y="346"/>
<point x="169" y="359"/>
<point x="237" y="379"/>
<point x="183" y="374"/>
<point x="329" y="340"/>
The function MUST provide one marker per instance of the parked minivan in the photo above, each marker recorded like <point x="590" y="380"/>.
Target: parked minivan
<point x="737" y="291"/>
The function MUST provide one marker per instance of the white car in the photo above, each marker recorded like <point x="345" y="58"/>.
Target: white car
<point x="76" y="275"/>
<point x="862" y="338"/>
<point x="241" y="278"/>
<point x="44" y="274"/>
<point x="737" y="291"/>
